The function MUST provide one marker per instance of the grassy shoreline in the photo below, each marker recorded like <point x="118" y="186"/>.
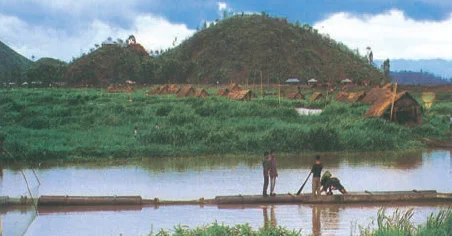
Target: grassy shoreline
<point x="83" y="124"/>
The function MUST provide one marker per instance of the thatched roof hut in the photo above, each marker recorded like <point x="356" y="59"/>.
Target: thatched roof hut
<point x="223" y="92"/>
<point x="173" y="89"/>
<point x="241" y="95"/>
<point x="295" y="95"/>
<point x="154" y="91"/>
<point x="316" y="96"/>
<point x="201" y="93"/>
<point x="163" y="90"/>
<point x="350" y="97"/>
<point x="375" y="94"/>
<point x="406" y="109"/>
<point x="186" y="91"/>
<point x="234" y="87"/>
<point x="119" y="88"/>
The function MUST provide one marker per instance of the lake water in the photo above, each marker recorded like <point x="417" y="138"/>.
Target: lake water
<point x="192" y="178"/>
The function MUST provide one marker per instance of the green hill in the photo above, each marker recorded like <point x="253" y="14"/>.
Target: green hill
<point x="46" y="70"/>
<point x="237" y="48"/>
<point x="110" y="63"/>
<point x="12" y="65"/>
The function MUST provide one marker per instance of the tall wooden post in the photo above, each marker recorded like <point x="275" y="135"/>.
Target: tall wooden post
<point x="279" y="91"/>
<point x="393" y="100"/>
<point x="262" y="90"/>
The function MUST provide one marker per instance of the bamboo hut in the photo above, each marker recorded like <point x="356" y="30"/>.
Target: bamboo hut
<point x="241" y="95"/>
<point x="316" y="96"/>
<point x="406" y="109"/>
<point x="201" y="93"/>
<point x="119" y="88"/>
<point x="186" y="91"/>
<point x="223" y="92"/>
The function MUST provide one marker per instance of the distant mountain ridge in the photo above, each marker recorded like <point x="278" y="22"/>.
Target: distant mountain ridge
<point x="12" y="65"/>
<point x="418" y="78"/>
<point x="440" y="67"/>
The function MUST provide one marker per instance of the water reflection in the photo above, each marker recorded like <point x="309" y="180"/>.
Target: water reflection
<point x="316" y="225"/>
<point x="272" y="222"/>
<point x="310" y="219"/>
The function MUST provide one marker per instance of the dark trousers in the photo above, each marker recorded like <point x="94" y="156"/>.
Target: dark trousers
<point x="264" y="191"/>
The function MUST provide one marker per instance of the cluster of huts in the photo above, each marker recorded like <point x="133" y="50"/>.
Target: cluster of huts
<point x="185" y="91"/>
<point x="233" y="92"/>
<point x="397" y="106"/>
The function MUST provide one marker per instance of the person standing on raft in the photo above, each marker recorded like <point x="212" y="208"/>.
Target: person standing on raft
<point x="266" y="167"/>
<point x="273" y="173"/>
<point x="316" y="171"/>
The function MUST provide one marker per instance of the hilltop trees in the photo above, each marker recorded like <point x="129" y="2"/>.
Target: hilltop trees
<point x="386" y="68"/>
<point x="46" y="70"/>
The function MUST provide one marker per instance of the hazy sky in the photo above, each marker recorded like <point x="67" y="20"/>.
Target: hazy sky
<point x="411" y="29"/>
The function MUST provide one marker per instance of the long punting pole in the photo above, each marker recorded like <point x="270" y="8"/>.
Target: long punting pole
<point x="302" y="186"/>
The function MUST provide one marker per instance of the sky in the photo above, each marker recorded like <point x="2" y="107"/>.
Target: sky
<point x="64" y="29"/>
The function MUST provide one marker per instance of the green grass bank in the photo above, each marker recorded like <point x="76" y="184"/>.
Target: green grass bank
<point x="73" y="124"/>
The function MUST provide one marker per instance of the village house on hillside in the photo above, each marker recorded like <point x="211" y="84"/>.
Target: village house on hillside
<point x="406" y="109"/>
<point x="292" y="81"/>
<point x="241" y="95"/>
<point x="186" y="91"/>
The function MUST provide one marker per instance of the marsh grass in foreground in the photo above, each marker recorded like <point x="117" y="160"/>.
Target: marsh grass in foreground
<point x="397" y="224"/>
<point x="75" y="124"/>
<point x="216" y="229"/>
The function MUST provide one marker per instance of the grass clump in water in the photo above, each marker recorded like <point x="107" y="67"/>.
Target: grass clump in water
<point x="399" y="224"/>
<point x="224" y="230"/>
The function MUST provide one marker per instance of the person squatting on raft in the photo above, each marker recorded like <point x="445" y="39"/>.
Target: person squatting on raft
<point x="330" y="183"/>
<point x="266" y="167"/>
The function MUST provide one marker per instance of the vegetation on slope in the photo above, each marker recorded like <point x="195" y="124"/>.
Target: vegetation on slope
<point x="110" y="63"/>
<point x="45" y="70"/>
<point x="238" y="47"/>
<point x="12" y="65"/>
<point x="70" y="124"/>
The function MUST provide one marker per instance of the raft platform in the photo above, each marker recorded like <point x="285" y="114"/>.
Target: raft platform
<point x="350" y="198"/>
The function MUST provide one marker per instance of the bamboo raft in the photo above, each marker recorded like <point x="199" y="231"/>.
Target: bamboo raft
<point x="350" y="198"/>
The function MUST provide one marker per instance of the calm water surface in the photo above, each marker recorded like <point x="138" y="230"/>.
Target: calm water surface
<point x="191" y="178"/>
